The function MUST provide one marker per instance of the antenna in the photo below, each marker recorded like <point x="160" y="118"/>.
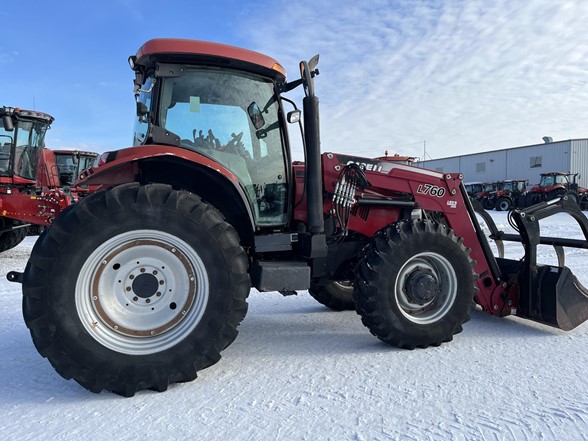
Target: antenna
<point x="425" y="151"/>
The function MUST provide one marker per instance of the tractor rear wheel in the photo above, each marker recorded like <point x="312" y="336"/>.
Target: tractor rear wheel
<point x="415" y="285"/>
<point x="503" y="204"/>
<point x="337" y="295"/>
<point x="10" y="239"/>
<point x="487" y="204"/>
<point x="135" y="287"/>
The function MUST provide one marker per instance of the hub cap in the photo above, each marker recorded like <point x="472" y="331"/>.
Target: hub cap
<point x="142" y="292"/>
<point x="426" y="288"/>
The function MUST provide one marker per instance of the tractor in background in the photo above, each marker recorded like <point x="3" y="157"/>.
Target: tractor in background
<point x="70" y="164"/>
<point x="144" y="282"/>
<point x="554" y="185"/>
<point x="29" y="193"/>
<point x="473" y="188"/>
<point x="482" y="196"/>
<point x="509" y="194"/>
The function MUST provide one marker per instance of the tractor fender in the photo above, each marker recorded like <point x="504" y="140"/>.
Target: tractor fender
<point x="182" y="169"/>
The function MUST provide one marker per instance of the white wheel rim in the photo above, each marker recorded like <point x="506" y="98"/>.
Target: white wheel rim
<point x="344" y="285"/>
<point x="427" y="311"/>
<point x="142" y="292"/>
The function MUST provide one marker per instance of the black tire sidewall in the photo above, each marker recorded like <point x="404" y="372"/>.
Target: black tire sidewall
<point x="450" y="250"/>
<point x="380" y="271"/>
<point x="506" y="202"/>
<point x="333" y="296"/>
<point x="72" y="255"/>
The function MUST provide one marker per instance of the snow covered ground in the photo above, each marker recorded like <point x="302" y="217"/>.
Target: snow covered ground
<point x="299" y="371"/>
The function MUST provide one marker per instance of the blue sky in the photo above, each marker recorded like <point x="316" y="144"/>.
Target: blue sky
<point x="454" y="76"/>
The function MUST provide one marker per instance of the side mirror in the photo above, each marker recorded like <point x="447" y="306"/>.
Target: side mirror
<point x="142" y="109"/>
<point x="7" y="123"/>
<point x="255" y="115"/>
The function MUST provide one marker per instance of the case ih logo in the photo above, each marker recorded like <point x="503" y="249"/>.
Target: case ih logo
<point x="368" y="166"/>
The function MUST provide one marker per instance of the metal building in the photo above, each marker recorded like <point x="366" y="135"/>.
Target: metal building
<point x="526" y="162"/>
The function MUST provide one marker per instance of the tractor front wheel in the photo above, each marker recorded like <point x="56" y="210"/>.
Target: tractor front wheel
<point x="503" y="204"/>
<point x="337" y="295"/>
<point x="135" y="287"/>
<point x="415" y="285"/>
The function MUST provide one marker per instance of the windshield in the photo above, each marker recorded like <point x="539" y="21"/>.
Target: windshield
<point x="508" y="186"/>
<point x="66" y="168"/>
<point x="20" y="149"/>
<point x="549" y="180"/>
<point x="86" y="162"/>
<point x="6" y="140"/>
<point x="208" y="110"/>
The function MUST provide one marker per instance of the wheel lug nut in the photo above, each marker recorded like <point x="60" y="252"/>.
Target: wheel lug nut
<point x="135" y="298"/>
<point x="128" y="288"/>
<point x="147" y="300"/>
<point x="158" y="294"/>
<point x="131" y="277"/>
<point x="161" y="282"/>
<point x="154" y="272"/>
<point x="142" y="270"/>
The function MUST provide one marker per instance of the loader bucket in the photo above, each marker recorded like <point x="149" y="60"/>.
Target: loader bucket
<point x="548" y="294"/>
<point x="557" y="299"/>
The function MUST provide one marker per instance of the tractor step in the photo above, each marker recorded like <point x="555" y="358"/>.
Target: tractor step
<point x="14" y="276"/>
<point x="280" y="276"/>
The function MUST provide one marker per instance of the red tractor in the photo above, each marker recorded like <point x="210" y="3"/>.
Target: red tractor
<point x="556" y="184"/>
<point x="473" y="188"/>
<point x="508" y="195"/>
<point x="70" y="164"/>
<point x="487" y="189"/>
<point x="144" y="282"/>
<point x="28" y="190"/>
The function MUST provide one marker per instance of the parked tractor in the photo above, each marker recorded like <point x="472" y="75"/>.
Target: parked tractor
<point x="29" y="195"/>
<point x="556" y="184"/>
<point x="70" y="165"/>
<point x="509" y="194"/>
<point x="482" y="196"/>
<point x="144" y="282"/>
<point x="473" y="188"/>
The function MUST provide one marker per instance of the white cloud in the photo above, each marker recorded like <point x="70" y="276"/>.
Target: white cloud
<point x="7" y="56"/>
<point x="465" y="76"/>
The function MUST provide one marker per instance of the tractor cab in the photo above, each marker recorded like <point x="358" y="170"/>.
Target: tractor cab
<point x="70" y="163"/>
<point x="551" y="179"/>
<point x="22" y="135"/>
<point x="232" y="116"/>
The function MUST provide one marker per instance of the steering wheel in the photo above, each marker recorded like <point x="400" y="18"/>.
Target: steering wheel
<point x="208" y="142"/>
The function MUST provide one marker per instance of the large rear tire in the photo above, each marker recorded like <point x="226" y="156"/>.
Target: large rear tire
<point x="415" y="285"/>
<point x="135" y="287"/>
<point x="337" y="295"/>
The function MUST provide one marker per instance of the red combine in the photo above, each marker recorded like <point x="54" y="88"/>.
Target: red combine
<point x="144" y="282"/>
<point x="29" y="193"/>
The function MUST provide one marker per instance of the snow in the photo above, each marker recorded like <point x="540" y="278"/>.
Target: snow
<point x="299" y="371"/>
